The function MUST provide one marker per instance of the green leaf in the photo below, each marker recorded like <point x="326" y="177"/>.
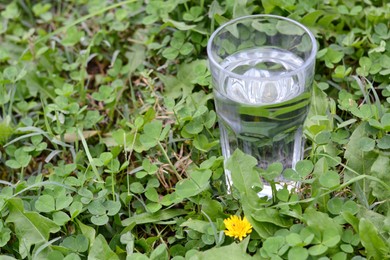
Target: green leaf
<point x="194" y="127"/>
<point x="365" y="112"/>
<point x="385" y="120"/>
<point x="87" y="231"/>
<point x="105" y="94"/>
<point x="307" y="237"/>
<point x="96" y="207"/>
<point x="135" y="57"/>
<point x="105" y="157"/>
<point x="330" y="179"/>
<point x="380" y="48"/>
<point x="173" y="86"/>
<point x="5" y="234"/>
<point x="351" y="219"/>
<point x="356" y="10"/>
<point x="11" y="73"/>
<point x="283" y="194"/>
<point x="153" y="207"/>
<point x="75" y="209"/>
<point x="215" y="8"/>
<point x="200" y="226"/>
<point x="350" y="237"/>
<point x="160" y="253"/>
<point x="351" y="206"/>
<point x="60" y="218"/>
<point x="273" y="216"/>
<point x="268" y="29"/>
<point x="99" y="220"/>
<point x="322" y="137"/>
<point x="112" y="207"/>
<point x="11" y="11"/>
<point x="359" y="160"/>
<point x="186" y="49"/>
<point x="137" y="256"/>
<point x="72" y="37"/>
<point x="63" y="202"/>
<point x="332" y="56"/>
<point x="13" y="164"/>
<point x="40" y="8"/>
<point x="127" y="239"/>
<point x="384" y="142"/>
<point x="197" y="182"/>
<point x="78" y="243"/>
<point x="152" y="195"/>
<point x="322" y="222"/>
<point x="212" y="208"/>
<point x="137" y="187"/>
<point x="365" y="66"/>
<point x="372" y="242"/>
<point x="188" y="75"/>
<point x="149" y="167"/>
<point x="311" y="17"/>
<point x="317" y="250"/>
<point x="101" y="251"/>
<point x="304" y="168"/>
<point x="294" y="239"/>
<point x="5" y="133"/>
<point x="335" y="205"/>
<point x="298" y="253"/>
<point x="30" y="227"/>
<point x="186" y="188"/>
<point x="170" y="53"/>
<point x="379" y="170"/>
<point x="22" y="159"/>
<point x="288" y="28"/>
<point x="273" y="246"/>
<point x="273" y="171"/>
<point x="71" y="256"/>
<point x="151" y="135"/>
<point x="330" y="237"/>
<point x="193" y="14"/>
<point x="366" y="144"/>
<point x="202" y="143"/>
<point x="347" y="248"/>
<point x="243" y="173"/>
<point x="179" y="25"/>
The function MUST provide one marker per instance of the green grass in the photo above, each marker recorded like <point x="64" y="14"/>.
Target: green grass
<point x="109" y="145"/>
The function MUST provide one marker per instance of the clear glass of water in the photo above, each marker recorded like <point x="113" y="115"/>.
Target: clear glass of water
<point x="262" y="70"/>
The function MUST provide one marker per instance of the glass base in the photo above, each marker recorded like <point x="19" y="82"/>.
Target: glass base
<point x="296" y="155"/>
<point x="267" y="191"/>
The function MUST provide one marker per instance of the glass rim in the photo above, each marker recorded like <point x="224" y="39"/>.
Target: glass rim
<point x="290" y="73"/>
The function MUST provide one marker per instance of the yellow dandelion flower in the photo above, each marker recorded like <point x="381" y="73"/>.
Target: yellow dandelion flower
<point x="237" y="227"/>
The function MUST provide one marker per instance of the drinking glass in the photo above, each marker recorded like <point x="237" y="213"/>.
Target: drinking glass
<point x="262" y="70"/>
